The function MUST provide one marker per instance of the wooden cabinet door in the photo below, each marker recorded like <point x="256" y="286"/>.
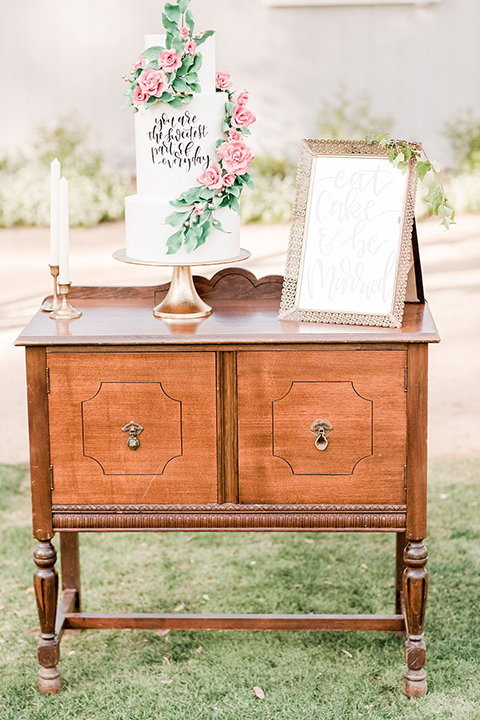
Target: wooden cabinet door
<point x="169" y="397"/>
<point x="283" y="399"/>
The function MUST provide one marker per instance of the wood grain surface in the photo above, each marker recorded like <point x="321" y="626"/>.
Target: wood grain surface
<point x="245" y="310"/>
<point x="176" y="461"/>
<point x="341" y="388"/>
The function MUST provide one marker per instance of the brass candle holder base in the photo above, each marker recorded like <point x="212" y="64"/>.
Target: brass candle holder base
<point x="55" y="304"/>
<point x="182" y="301"/>
<point x="65" y="311"/>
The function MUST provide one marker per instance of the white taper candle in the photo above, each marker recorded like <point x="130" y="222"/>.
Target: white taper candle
<point x="64" y="231"/>
<point x="54" y="212"/>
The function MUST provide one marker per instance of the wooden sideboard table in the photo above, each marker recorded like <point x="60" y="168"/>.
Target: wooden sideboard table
<point x="235" y="422"/>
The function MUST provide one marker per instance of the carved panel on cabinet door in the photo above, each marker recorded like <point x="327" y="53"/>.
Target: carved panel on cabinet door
<point x="105" y="415"/>
<point x="349" y="414"/>
<point x="286" y="397"/>
<point x="168" y="402"/>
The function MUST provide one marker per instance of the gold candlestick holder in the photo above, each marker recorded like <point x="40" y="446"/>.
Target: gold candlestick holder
<point x="182" y="301"/>
<point x="65" y="311"/>
<point x="55" y="304"/>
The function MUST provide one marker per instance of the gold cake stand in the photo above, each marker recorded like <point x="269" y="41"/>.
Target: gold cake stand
<point x="182" y="301"/>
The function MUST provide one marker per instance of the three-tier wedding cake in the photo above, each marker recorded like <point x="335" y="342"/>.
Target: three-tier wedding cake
<point x="191" y="155"/>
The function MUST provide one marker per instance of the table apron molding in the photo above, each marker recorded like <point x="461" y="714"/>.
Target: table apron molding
<point x="366" y="518"/>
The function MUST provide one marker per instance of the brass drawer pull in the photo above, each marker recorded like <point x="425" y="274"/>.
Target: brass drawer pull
<point x="321" y="428"/>
<point x="132" y="429"/>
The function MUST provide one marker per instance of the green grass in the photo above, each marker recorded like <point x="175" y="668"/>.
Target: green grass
<point x="110" y="675"/>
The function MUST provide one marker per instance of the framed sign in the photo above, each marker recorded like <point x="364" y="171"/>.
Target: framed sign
<point x="351" y="236"/>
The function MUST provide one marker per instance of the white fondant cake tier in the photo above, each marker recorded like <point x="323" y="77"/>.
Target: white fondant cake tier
<point x="147" y="234"/>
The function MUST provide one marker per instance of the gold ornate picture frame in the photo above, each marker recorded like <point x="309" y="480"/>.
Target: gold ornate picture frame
<point x="350" y="244"/>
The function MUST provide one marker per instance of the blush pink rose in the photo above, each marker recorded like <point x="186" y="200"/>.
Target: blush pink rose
<point x="235" y="135"/>
<point x="223" y="81"/>
<point x="211" y="177"/>
<point x="139" y="97"/>
<point x="229" y="179"/>
<point x="243" y="98"/>
<point x="170" y="60"/>
<point x="191" y="47"/>
<point x="140" y="62"/>
<point x="184" y="32"/>
<point x="199" y="208"/>
<point x="236" y="157"/>
<point x="242" y="117"/>
<point x="153" y="82"/>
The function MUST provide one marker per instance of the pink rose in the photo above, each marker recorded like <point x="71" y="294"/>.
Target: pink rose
<point x="229" y="179"/>
<point x="153" y="82"/>
<point x="184" y="32"/>
<point x="236" y="156"/>
<point x="199" y="208"/>
<point x="243" y="98"/>
<point x="140" y="62"/>
<point x="223" y="81"/>
<point x="242" y="116"/>
<point x="191" y="47"/>
<point x="139" y="97"/>
<point x="235" y="135"/>
<point x="211" y="177"/>
<point x="170" y="60"/>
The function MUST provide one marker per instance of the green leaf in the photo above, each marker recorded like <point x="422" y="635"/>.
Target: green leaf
<point x="197" y="61"/>
<point x="177" y="203"/>
<point x="192" y="195"/>
<point x="435" y="198"/>
<point x="177" y="44"/>
<point x="195" y="87"/>
<point x="205" y="36"/>
<point x="225" y="201"/>
<point x="207" y="194"/>
<point x="177" y="218"/>
<point x="190" y="239"/>
<point x="422" y="168"/>
<point x="151" y="100"/>
<point x="229" y="107"/>
<point x="217" y="225"/>
<point x="190" y="21"/>
<point x="191" y="77"/>
<point x="246" y="131"/>
<point x="183" y="4"/>
<point x="174" y="242"/>
<point x="205" y="226"/>
<point x="152" y="53"/>
<point x="234" y="205"/>
<point x="169" y="41"/>
<point x="172" y="12"/>
<point x="247" y="180"/>
<point x="169" y="26"/>
<point x="445" y="211"/>
<point x="186" y="64"/>
<point x="392" y="154"/>
<point x="179" y="85"/>
<point x="235" y="190"/>
<point x="226" y="125"/>
<point x="370" y="139"/>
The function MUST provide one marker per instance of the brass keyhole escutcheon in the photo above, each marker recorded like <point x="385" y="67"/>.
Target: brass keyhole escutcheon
<point x="133" y="429"/>
<point x="321" y="428"/>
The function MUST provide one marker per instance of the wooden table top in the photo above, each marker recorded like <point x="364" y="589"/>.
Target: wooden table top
<point x="245" y="311"/>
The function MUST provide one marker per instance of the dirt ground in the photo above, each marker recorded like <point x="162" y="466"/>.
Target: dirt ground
<point x="451" y="266"/>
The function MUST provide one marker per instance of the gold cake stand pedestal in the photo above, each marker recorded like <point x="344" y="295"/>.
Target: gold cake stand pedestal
<point x="182" y="301"/>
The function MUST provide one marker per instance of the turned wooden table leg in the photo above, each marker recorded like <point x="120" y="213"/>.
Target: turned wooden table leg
<point x="45" y="581"/>
<point x="415" y="589"/>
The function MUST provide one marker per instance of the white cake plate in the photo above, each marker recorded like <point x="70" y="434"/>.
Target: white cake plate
<point x="182" y="301"/>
